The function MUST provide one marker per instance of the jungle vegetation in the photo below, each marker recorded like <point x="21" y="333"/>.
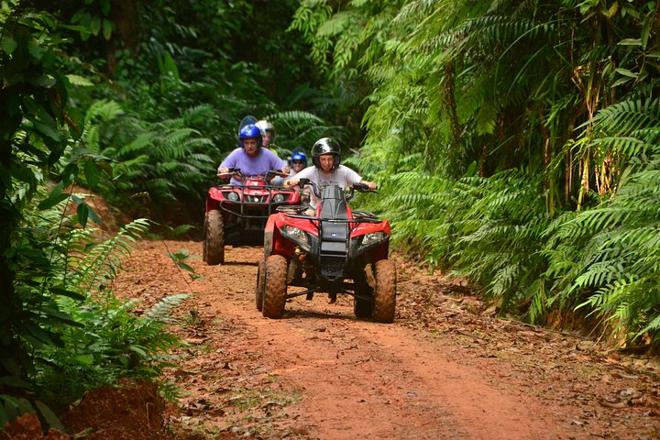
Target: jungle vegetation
<point x="516" y="143"/>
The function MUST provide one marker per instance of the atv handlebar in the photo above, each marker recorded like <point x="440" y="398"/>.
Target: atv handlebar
<point x="236" y="172"/>
<point x="359" y="186"/>
<point x="304" y="182"/>
<point x="275" y="173"/>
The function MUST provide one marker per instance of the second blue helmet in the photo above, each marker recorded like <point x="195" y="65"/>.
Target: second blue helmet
<point x="248" y="132"/>
<point x="299" y="156"/>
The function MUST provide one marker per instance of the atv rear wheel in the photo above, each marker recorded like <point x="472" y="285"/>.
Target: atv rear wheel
<point x="363" y="307"/>
<point x="261" y="283"/>
<point x="214" y="238"/>
<point x="275" y="287"/>
<point x="384" y="291"/>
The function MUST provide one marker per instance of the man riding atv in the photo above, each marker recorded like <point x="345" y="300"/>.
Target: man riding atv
<point x="327" y="170"/>
<point x="250" y="157"/>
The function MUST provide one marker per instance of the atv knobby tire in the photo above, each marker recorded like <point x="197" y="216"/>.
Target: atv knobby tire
<point x="363" y="308"/>
<point x="214" y="238"/>
<point x="261" y="283"/>
<point x="384" y="291"/>
<point x="275" y="291"/>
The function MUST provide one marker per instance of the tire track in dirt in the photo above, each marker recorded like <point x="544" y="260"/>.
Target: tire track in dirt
<point x="355" y="378"/>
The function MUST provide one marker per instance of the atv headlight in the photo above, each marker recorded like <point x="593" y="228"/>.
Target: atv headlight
<point x="233" y="196"/>
<point x="278" y="198"/>
<point x="373" y="238"/>
<point x="297" y="235"/>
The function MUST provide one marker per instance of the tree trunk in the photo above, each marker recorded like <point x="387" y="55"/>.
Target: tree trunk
<point x="10" y="119"/>
<point x="450" y="102"/>
<point x="125" y="15"/>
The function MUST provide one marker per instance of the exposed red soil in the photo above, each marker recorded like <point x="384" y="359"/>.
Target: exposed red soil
<point x="129" y="411"/>
<point x="28" y="427"/>
<point x="445" y="369"/>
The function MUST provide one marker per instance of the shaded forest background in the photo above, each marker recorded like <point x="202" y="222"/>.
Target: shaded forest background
<point x="515" y="143"/>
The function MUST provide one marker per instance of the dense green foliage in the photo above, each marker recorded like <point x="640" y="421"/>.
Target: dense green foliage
<point x="137" y="101"/>
<point x="517" y="143"/>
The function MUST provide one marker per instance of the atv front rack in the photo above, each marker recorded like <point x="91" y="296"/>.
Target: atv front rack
<point x="334" y="220"/>
<point x="244" y="203"/>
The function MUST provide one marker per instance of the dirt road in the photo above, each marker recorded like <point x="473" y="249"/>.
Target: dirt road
<point x="446" y="369"/>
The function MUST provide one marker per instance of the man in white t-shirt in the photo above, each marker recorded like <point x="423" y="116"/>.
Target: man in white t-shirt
<point x="326" y="156"/>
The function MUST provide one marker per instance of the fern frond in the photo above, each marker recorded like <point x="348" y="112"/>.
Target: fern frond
<point x="162" y="310"/>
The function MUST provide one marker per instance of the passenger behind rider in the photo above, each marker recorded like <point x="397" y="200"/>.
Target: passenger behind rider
<point x="250" y="158"/>
<point x="267" y="133"/>
<point x="326" y="157"/>
<point x="298" y="162"/>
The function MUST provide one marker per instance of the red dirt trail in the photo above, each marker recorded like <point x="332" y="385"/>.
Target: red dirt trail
<point x="446" y="368"/>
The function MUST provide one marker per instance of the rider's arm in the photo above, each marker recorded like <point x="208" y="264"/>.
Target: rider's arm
<point x="372" y="185"/>
<point x="283" y="166"/>
<point x="307" y="173"/>
<point x="352" y="178"/>
<point x="229" y="162"/>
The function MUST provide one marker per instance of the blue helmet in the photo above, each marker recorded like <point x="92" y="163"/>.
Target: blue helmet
<point x="248" y="132"/>
<point x="299" y="156"/>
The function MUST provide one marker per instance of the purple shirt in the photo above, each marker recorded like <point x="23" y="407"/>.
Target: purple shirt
<point x="264" y="161"/>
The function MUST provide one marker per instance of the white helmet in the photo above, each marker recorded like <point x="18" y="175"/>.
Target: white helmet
<point x="267" y="132"/>
<point x="264" y="125"/>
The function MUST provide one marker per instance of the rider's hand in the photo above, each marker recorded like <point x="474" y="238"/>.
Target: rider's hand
<point x="288" y="183"/>
<point x="222" y="171"/>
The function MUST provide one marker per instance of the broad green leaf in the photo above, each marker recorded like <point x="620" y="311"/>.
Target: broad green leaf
<point x="78" y="80"/>
<point x="68" y="293"/>
<point x="69" y="173"/>
<point x="94" y="216"/>
<point x="630" y="42"/>
<point x="38" y="336"/>
<point x="646" y="29"/>
<point x="56" y="196"/>
<point x="85" y="359"/>
<point x="95" y="25"/>
<point x="8" y="45"/>
<point x="48" y="415"/>
<point x="620" y="81"/>
<point x="611" y="12"/>
<point x="107" y="29"/>
<point x="83" y="213"/>
<point x="92" y="174"/>
<point x="105" y="7"/>
<point x="626" y="72"/>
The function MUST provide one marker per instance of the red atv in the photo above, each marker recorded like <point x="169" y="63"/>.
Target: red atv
<point x="337" y="251"/>
<point x="237" y="214"/>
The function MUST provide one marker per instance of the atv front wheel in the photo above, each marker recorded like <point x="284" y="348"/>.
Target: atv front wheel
<point x="214" y="238"/>
<point x="261" y="284"/>
<point x="275" y="291"/>
<point x="385" y="291"/>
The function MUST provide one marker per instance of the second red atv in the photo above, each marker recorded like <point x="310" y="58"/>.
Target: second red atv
<point x="237" y="214"/>
<point x="336" y="251"/>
